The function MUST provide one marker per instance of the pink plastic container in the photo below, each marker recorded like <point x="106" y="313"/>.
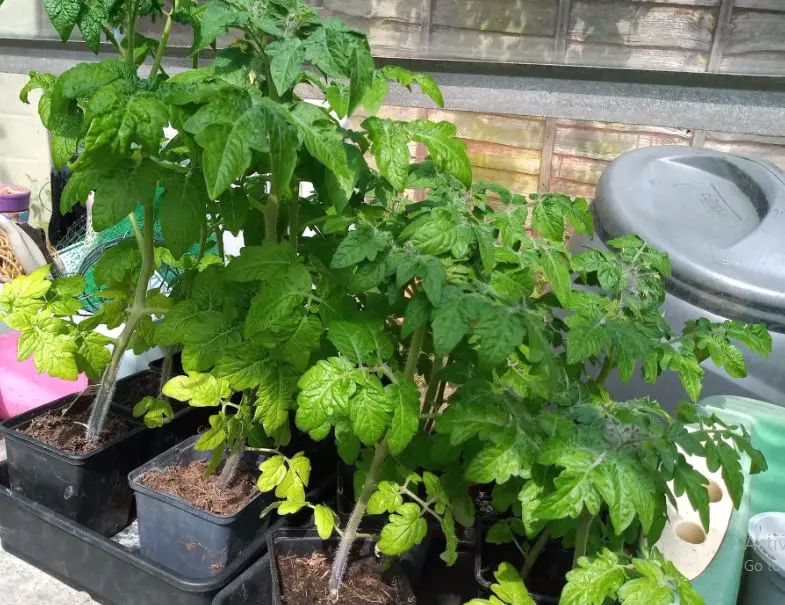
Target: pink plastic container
<point x="22" y="388"/>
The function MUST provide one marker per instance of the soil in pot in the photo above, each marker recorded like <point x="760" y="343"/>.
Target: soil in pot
<point x="66" y="432"/>
<point x="304" y="581"/>
<point x="192" y="484"/>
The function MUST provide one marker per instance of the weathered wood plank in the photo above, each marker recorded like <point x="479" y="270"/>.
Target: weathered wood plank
<point x="457" y="43"/>
<point x="514" y="181"/>
<point x="768" y="148"/>
<point x="614" y="55"/>
<point x="603" y="141"/>
<point x="546" y="160"/>
<point x="562" y="25"/>
<point x="388" y="37"/>
<point x="720" y="35"/>
<point x="401" y="10"/>
<point x="502" y="157"/>
<point x="585" y="171"/>
<point x="769" y="5"/>
<point x="516" y="131"/>
<point x="573" y="189"/>
<point x="536" y="17"/>
<point x="755" y="43"/>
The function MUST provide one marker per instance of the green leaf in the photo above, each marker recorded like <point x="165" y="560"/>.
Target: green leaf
<point x="182" y="211"/>
<point x="509" y="589"/>
<point x="91" y="18"/>
<point x="494" y="463"/>
<point x="360" y="342"/>
<point x="370" y="412"/>
<point x="557" y="272"/>
<point x="405" y="529"/>
<point x="586" y="337"/>
<point x="63" y="14"/>
<point x="200" y="390"/>
<point x="629" y="491"/>
<point x="754" y="336"/>
<point x="154" y="411"/>
<point x="209" y="341"/>
<point x="287" y="55"/>
<point x="376" y="94"/>
<point x="269" y="262"/>
<point x="325" y="392"/>
<point x="274" y="471"/>
<point x="405" y="398"/>
<point x="243" y="367"/>
<point x="275" y="396"/>
<point x="486" y="244"/>
<point x="574" y="492"/>
<point x="447" y="152"/>
<point x="687" y="480"/>
<point x="364" y="243"/>
<point x="337" y="96"/>
<point x="551" y="211"/>
<point x="301" y="340"/>
<point x="594" y="580"/>
<point x="361" y="73"/>
<point x="417" y="314"/>
<point x="93" y="354"/>
<point x="390" y="148"/>
<point x="324" y="519"/>
<point x="386" y="499"/>
<point x="118" y="192"/>
<point x="429" y="87"/>
<point x="277" y="302"/>
<point x="54" y="351"/>
<point x="500" y="333"/>
<point x="214" y="437"/>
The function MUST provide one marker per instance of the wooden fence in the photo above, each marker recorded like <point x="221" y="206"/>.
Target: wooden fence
<point x="740" y="36"/>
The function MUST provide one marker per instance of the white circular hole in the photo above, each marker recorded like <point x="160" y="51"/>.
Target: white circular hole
<point x="691" y="532"/>
<point x="715" y="492"/>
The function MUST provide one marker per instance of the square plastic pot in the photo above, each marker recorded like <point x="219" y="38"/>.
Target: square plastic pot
<point x="89" y="488"/>
<point x="302" y="542"/>
<point x="183" y="537"/>
<point x="113" y="574"/>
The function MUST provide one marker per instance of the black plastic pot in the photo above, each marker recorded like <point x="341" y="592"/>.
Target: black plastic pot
<point x="548" y="571"/>
<point x="183" y="537"/>
<point x="298" y="541"/>
<point x="90" y="488"/>
<point x="187" y="419"/>
<point x="113" y="574"/>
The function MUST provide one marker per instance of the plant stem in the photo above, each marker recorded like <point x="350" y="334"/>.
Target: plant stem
<point x="166" y="369"/>
<point x="103" y="399"/>
<point x="271" y="216"/>
<point x="350" y="532"/>
<point x="604" y="371"/>
<point x="414" y="352"/>
<point x="582" y="536"/>
<point x="433" y="384"/>
<point x="131" y="36"/>
<point x="159" y="53"/>
<point x="231" y="465"/>
<point x="531" y="559"/>
<point x="382" y="450"/>
<point x="294" y="220"/>
<point x="111" y="37"/>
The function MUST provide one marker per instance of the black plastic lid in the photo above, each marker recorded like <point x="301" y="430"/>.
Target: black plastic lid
<point x="719" y="216"/>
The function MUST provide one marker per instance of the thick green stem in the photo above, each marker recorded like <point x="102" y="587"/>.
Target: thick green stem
<point x="159" y="53"/>
<point x="433" y="385"/>
<point x="582" y="536"/>
<point x="382" y="450"/>
<point x="350" y="533"/>
<point x="231" y="465"/>
<point x="130" y="35"/>
<point x="534" y="553"/>
<point x="103" y="399"/>
<point x="604" y="371"/>
<point x="414" y="352"/>
<point x="166" y="368"/>
<point x="271" y="217"/>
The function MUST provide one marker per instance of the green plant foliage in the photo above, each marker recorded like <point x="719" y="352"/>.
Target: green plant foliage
<point x="441" y="345"/>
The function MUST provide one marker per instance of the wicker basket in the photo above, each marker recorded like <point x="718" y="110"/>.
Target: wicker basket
<point x="10" y="267"/>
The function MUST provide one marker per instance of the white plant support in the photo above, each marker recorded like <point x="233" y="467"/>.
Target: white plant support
<point x="684" y="541"/>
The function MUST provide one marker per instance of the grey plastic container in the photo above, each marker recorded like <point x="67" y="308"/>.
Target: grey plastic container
<point x="721" y="219"/>
<point x="764" y="565"/>
<point x="187" y="539"/>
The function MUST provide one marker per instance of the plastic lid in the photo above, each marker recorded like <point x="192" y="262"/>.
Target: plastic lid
<point x="766" y="536"/>
<point x="13" y="198"/>
<point x="719" y="216"/>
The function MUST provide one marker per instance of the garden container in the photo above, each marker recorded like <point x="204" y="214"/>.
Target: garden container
<point x="112" y="573"/>
<point x="301" y="541"/>
<point x="720" y="217"/>
<point x="15" y="203"/>
<point x="183" y="537"/>
<point x="765" y="562"/>
<point x="89" y="488"/>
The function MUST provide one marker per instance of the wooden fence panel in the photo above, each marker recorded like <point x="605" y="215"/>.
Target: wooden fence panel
<point x="755" y="42"/>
